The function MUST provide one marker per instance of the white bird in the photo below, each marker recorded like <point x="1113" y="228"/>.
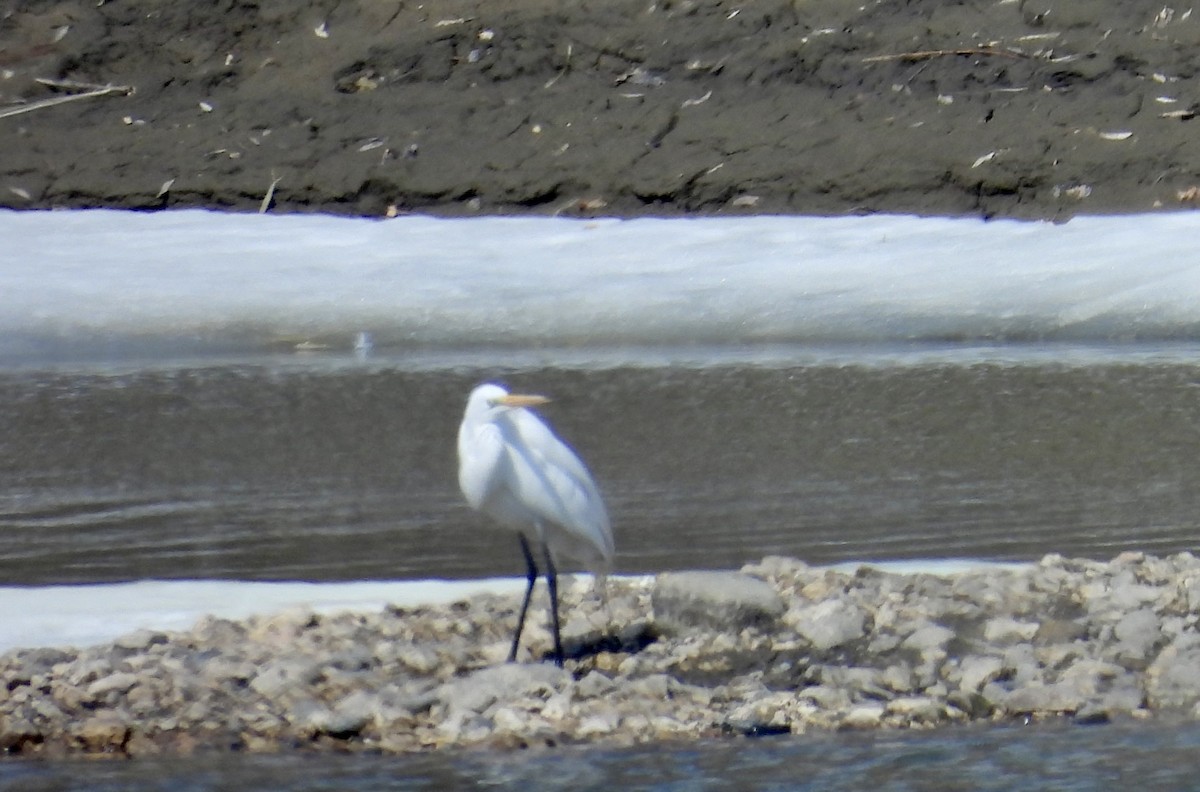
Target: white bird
<point x="514" y="469"/>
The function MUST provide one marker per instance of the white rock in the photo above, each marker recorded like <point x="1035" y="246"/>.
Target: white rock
<point x="599" y="724"/>
<point x="1138" y="630"/>
<point x="1173" y="679"/>
<point x="1004" y="630"/>
<point x="558" y="706"/>
<point x="975" y="671"/>
<point x="828" y="624"/>
<point x="930" y="636"/>
<point x="864" y="716"/>
<point x="1042" y="698"/>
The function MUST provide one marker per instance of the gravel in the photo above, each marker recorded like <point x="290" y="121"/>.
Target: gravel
<point x="777" y="647"/>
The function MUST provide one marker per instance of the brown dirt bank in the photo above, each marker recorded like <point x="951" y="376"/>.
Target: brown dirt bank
<point x="1026" y="108"/>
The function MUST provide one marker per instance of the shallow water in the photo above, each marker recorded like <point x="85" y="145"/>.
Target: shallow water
<point x="1149" y="756"/>
<point x="328" y="468"/>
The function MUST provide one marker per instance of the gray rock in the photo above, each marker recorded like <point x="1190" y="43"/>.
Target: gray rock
<point x="927" y="637"/>
<point x="1004" y="630"/>
<point x="864" y="716"/>
<point x="975" y="671"/>
<point x="229" y="669"/>
<point x="1052" y="631"/>
<point x="654" y="686"/>
<point x="84" y="671"/>
<point x="1138" y="633"/>
<point x="1092" y="675"/>
<point x="858" y="682"/>
<point x="973" y="705"/>
<point x="15" y="733"/>
<point x="726" y="601"/>
<point x="826" y="697"/>
<point x="119" y="682"/>
<point x="899" y="678"/>
<point x="479" y="690"/>
<point x="410" y="698"/>
<point x="45" y="709"/>
<point x="32" y="661"/>
<point x="994" y="693"/>
<point x="1124" y="698"/>
<point x="1039" y="698"/>
<point x="348" y="717"/>
<point x="1190" y="588"/>
<point x="310" y="716"/>
<point x="1093" y="712"/>
<point x="285" y="674"/>
<point x="828" y="624"/>
<point x="600" y="724"/>
<point x="777" y="567"/>
<point x="104" y="732"/>
<point x="1126" y="593"/>
<point x="343" y="724"/>
<point x="917" y="709"/>
<point x="1173" y="679"/>
<point x="140" y="640"/>
<point x="1021" y="665"/>
<point x="594" y="685"/>
<point x="419" y="659"/>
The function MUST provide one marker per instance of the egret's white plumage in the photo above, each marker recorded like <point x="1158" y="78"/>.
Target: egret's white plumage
<point x="514" y="469"/>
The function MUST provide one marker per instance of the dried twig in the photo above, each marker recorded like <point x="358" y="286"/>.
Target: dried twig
<point x="920" y="55"/>
<point x="566" y="67"/>
<point x="57" y="100"/>
<point x="266" y="201"/>
<point x="74" y="85"/>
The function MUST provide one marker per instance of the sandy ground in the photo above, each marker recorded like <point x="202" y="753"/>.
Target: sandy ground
<point x="1018" y="108"/>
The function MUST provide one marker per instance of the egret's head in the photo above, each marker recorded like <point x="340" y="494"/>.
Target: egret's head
<point x="492" y="398"/>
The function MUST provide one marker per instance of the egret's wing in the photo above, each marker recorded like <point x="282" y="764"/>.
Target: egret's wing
<point x="537" y="437"/>
<point x="555" y="481"/>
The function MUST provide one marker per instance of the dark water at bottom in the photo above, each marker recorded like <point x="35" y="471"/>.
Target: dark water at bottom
<point x="1144" y="756"/>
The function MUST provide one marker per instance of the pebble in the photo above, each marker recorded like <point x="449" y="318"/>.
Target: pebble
<point x="777" y="647"/>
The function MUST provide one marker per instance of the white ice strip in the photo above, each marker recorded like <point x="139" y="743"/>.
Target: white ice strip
<point x="85" y="615"/>
<point x="90" y="614"/>
<point x="217" y="279"/>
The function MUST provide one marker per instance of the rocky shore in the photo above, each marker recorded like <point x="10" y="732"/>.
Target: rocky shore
<point x="779" y="647"/>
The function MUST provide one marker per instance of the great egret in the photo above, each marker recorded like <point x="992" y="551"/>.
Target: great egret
<point x="512" y="468"/>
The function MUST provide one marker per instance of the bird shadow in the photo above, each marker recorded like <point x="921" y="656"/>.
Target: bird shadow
<point x="629" y="640"/>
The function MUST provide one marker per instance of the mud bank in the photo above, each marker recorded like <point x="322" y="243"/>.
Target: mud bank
<point x="1035" y="109"/>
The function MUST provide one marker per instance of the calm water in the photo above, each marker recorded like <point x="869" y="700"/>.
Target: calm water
<point x="332" y="469"/>
<point x="1155" y="756"/>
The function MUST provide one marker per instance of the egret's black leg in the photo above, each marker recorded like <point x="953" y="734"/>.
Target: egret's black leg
<point x="552" y="584"/>
<point x="531" y="574"/>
